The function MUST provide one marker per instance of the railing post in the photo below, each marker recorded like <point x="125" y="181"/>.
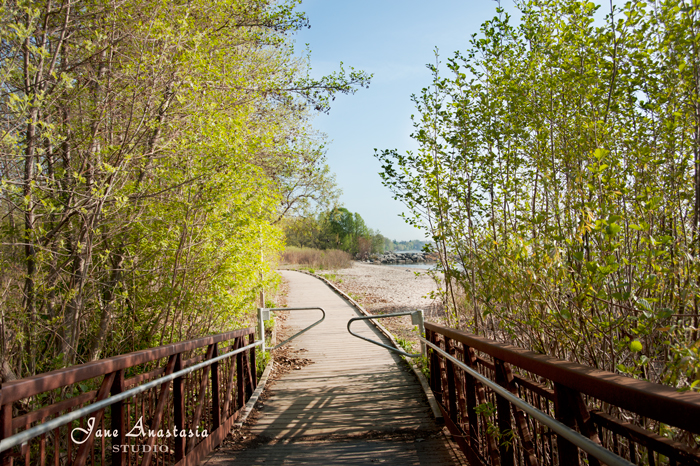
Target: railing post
<point x="506" y="449"/>
<point x="261" y="325"/>
<point x="574" y="402"/>
<point x="566" y="414"/>
<point x="215" y="400"/>
<point x="434" y="369"/>
<point x="86" y="448"/>
<point x="179" y="410"/>
<point x="451" y="389"/>
<point x="118" y="421"/>
<point x="504" y="377"/>
<point x="5" y="430"/>
<point x="471" y="397"/>
<point x="461" y="389"/>
<point x="418" y="318"/>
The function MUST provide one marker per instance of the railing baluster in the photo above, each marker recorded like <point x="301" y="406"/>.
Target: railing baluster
<point x="87" y="447"/>
<point x="179" y="409"/>
<point x="504" y="377"/>
<point x="470" y="395"/>
<point x="69" y="441"/>
<point x="215" y="402"/>
<point x="56" y="445"/>
<point x="201" y="401"/>
<point x="118" y="421"/>
<point x="434" y="364"/>
<point x="247" y="382"/>
<point x="461" y="393"/>
<point x="584" y="421"/>
<point x="450" y="379"/>
<point x="565" y="413"/>
<point x="159" y="407"/>
<point x="42" y="447"/>
<point x="5" y="430"/>
<point x="506" y="448"/>
<point x="253" y="367"/>
<point x="25" y="450"/>
<point x="231" y="382"/>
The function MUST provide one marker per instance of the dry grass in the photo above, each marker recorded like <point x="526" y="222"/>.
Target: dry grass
<point x="330" y="259"/>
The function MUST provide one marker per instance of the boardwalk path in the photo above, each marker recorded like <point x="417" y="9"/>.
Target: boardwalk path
<point x="356" y="404"/>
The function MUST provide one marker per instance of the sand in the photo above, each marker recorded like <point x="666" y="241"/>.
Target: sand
<point x="383" y="289"/>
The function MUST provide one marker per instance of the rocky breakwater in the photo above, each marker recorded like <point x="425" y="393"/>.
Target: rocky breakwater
<point x="403" y="258"/>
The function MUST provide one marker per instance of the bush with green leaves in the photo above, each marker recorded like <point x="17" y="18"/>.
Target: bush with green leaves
<point x="558" y="173"/>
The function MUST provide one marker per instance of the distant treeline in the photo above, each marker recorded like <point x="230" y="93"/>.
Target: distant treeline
<point x="341" y="229"/>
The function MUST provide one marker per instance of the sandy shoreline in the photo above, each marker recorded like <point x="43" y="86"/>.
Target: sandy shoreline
<point x="383" y="289"/>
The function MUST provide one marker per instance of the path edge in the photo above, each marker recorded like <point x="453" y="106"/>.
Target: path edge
<point x="437" y="413"/>
<point x="250" y="405"/>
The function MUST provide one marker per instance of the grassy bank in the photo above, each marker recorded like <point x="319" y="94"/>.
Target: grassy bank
<point x="330" y="259"/>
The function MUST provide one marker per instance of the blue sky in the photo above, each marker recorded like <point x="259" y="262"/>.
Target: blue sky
<point x="393" y="40"/>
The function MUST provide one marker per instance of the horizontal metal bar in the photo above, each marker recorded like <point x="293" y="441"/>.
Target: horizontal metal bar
<point x="30" y="386"/>
<point x="25" y="436"/>
<point x="584" y="443"/>
<point x="659" y="402"/>
<point x="383" y="316"/>
<point x="304" y="330"/>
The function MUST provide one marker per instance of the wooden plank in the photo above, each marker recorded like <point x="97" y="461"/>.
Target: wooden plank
<point x="352" y="388"/>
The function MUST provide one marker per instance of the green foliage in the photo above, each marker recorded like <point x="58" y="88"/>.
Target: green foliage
<point x="337" y="228"/>
<point x="149" y="151"/>
<point x="422" y="363"/>
<point x="406" y="345"/>
<point x="556" y="175"/>
<point x="262" y="359"/>
<point x="413" y="245"/>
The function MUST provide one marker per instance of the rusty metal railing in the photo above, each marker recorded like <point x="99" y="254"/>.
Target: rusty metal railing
<point x="642" y="422"/>
<point x="169" y="405"/>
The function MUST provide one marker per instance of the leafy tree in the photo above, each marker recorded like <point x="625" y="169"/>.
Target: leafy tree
<point x="149" y="150"/>
<point x="557" y="174"/>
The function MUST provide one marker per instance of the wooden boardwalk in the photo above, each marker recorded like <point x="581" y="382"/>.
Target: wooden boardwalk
<point x="356" y="404"/>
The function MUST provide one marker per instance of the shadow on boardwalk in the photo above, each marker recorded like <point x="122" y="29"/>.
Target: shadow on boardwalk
<point x="356" y="404"/>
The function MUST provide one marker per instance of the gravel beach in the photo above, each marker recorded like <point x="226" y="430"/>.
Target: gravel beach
<point x="384" y="289"/>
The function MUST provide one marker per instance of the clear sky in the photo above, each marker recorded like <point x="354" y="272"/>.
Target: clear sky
<point x="393" y="39"/>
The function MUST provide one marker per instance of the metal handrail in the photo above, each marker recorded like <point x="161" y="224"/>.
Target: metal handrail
<point x="26" y="435"/>
<point x="265" y="312"/>
<point x="584" y="443"/>
<point x="390" y="348"/>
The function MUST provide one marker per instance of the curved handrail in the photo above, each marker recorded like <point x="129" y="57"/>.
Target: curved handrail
<point x="390" y="348"/>
<point x="304" y="330"/>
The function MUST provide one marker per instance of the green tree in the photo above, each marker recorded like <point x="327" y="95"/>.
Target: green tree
<point x="149" y="151"/>
<point x="563" y="153"/>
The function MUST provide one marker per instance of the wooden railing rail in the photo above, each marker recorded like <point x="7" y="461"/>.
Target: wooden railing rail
<point x="175" y="422"/>
<point x="643" y="422"/>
